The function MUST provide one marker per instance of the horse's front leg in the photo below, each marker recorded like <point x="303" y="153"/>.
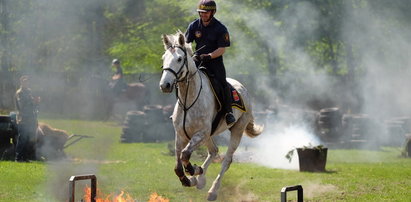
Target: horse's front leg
<point x="178" y="169"/>
<point x="193" y="144"/>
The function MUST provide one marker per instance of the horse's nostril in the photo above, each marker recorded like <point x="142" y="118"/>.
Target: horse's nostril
<point x="166" y="86"/>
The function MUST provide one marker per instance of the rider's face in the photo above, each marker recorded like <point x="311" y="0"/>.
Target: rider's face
<point x="205" y="16"/>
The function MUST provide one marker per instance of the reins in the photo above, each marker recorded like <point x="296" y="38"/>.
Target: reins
<point x="187" y="79"/>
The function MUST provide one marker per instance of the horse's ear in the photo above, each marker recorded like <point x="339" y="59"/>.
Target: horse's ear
<point x="166" y="42"/>
<point x="181" y="40"/>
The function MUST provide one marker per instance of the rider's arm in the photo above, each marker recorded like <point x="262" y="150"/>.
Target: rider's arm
<point x="217" y="53"/>
<point x="118" y="74"/>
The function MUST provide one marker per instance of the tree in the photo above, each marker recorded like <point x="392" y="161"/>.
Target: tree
<point x="6" y="80"/>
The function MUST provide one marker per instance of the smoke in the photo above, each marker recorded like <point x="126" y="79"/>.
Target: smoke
<point x="280" y="136"/>
<point x="383" y="52"/>
<point x="49" y="35"/>
<point x="304" y="80"/>
<point x="375" y="36"/>
<point x="49" y="39"/>
<point x="374" y="32"/>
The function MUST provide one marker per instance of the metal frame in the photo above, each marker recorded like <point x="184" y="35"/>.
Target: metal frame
<point x="299" y="189"/>
<point x="72" y="186"/>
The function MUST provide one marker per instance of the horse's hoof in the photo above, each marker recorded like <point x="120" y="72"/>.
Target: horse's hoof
<point x="185" y="181"/>
<point x="201" y="181"/>
<point x="211" y="197"/>
<point x="193" y="181"/>
<point x="200" y="171"/>
<point x="189" y="169"/>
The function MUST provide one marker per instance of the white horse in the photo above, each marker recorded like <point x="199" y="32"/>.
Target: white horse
<point x="194" y="112"/>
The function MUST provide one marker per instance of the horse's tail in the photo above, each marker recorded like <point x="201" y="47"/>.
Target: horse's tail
<point x="253" y="130"/>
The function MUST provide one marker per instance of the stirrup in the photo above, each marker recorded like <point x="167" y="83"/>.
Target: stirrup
<point x="229" y="118"/>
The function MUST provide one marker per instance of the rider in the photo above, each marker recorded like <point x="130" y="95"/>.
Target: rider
<point x="117" y="83"/>
<point x="211" y="38"/>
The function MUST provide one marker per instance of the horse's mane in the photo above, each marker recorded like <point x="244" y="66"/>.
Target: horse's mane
<point x="174" y="40"/>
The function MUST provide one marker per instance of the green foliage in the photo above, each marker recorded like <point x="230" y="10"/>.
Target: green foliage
<point x="290" y="154"/>
<point x="140" y="46"/>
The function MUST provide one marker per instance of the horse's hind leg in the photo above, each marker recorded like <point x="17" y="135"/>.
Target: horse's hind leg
<point x="235" y="139"/>
<point x="212" y="152"/>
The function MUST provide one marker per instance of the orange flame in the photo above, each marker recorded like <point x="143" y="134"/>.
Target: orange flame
<point x="154" y="197"/>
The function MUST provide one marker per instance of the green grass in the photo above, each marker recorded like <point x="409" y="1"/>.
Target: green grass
<point x="141" y="169"/>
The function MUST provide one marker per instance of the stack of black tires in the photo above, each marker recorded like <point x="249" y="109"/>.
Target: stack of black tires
<point x="396" y="131"/>
<point x="361" y="130"/>
<point x="329" y="123"/>
<point x="150" y="125"/>
<point x="8" y="136"/>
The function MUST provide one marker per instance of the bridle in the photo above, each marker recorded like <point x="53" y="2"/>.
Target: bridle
<point x="185" y="64"/>
<point x="185" y="78"/>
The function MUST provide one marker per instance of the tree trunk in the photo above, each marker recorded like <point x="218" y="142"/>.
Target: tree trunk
<point x="6" y="78"/>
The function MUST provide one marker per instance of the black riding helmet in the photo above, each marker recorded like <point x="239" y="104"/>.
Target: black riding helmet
<point x="206" y="5"/>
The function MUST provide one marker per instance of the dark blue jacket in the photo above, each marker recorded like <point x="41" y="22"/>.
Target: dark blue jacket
<point x="213" y="36"/>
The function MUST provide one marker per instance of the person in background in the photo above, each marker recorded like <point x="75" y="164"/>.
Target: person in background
<point x="211" y="37"/>
<point x="117" y="83"/>
<point x="27" y="110"/>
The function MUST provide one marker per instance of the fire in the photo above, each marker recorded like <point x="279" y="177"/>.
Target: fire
<point x="154" y="197"/>
<point x="122" y="197"/>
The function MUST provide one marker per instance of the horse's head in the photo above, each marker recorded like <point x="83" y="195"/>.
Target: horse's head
<point x="176" y="61"/>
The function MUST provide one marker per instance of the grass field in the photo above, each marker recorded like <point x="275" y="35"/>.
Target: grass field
<point x="141" y="169"/>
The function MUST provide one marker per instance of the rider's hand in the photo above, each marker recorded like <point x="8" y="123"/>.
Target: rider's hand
<point x="205" y="57"/>
<point x="196" y="58"/>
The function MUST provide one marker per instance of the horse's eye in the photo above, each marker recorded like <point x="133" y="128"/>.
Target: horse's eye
<point x="179" y="59"/>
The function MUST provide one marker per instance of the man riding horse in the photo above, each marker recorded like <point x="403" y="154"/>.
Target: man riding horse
<point x="117" y="83"/>
<point x="195" y="116"/>
<point x="211" y="38"/>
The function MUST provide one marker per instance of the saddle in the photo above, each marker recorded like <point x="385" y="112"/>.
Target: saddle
<point x="236" y="100"/>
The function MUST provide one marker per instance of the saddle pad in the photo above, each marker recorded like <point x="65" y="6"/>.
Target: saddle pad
<point x="237" y="101"/>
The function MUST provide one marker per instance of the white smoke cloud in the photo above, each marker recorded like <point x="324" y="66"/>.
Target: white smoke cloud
<point x="272" y="146"/>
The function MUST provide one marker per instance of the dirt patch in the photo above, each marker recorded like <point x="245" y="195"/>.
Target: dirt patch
<point x="237" y="194"/>
<point x="314" y="189"/>
<point x="244" y="197"/>
<point x="93" y="161"/>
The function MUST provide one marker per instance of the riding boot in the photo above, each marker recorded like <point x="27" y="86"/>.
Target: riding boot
<point x="229" y="117"/>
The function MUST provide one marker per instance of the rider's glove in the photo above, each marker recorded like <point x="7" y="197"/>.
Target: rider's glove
<point x="205" y="57"/>
<point x="196" y="58"/>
